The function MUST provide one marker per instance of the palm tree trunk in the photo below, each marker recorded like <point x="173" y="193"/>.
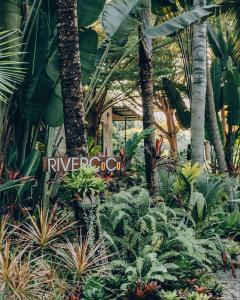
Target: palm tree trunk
<point x="72" y="91"/>
<point x="212" y="118"/>
<point x="199" y="88"/>
<point x="70" y="72"/>
<point x="146" y="83"/>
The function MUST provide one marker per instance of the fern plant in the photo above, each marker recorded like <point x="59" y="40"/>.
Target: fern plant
<point x="146" y="234"/>
<point x="132" y="143"/>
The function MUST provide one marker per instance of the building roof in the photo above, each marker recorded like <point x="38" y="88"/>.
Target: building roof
<point x="122" y="113"/>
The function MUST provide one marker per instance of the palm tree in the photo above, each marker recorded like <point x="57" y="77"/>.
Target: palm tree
<point x="70" y="73"/>
<point x="199" y="87"/>
<point x="146" y="84"/>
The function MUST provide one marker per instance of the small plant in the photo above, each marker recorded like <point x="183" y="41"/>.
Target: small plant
<point x="43" y="230"/>
<point x="21" y="278"/>
<point x="187" y="176"/>
<point x="83" y="259"/>
<point x="145" y="291"/>
<point x="133" y="143"/>
<point x="197" y="296"/>
<point x="84" y="183"/>
<point x="168" y="295"/>
<point x="231" y="247"/>
<point x="4" y="231"/>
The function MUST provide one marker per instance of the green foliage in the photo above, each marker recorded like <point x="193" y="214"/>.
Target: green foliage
<point x="16" y="180"/>
<point x="89" y="11"/>
<point x="187" y="176"/>
<point x="154" y="242"/>
<point x="11" y="70"/>
<point x="167" y="295"/>
<point x="145" y="269"/>
<point x="84" y="182"/>
<point x="231" y="95"/>
<point x="160" y="8"/>
<point x="118" y="18"/>
<point x="181" y="22"/>
<point x="132" y="143"/>
<point x="216" y="73"/>
<point x="88" y="42"/>
<point x="197" y="296"/>
<point x="177" y="103"/>
<point x="231" y="247"/>
<point x="92" y="149"/>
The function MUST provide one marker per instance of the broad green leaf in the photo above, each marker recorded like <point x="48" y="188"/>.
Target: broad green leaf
<point x="29" y="168"/>
<point x="181" y="22"/>
<point x="54" y="114"/>
<point x="119" y="19"/>
<point x="11" y="184"/>
<point x="38" y="85"/>
<point x="231" y="96"/>
<point x="89" y="11"/>
<point x="176" y="102"/>
<point x="216" y="75"/>
<point x="216" y="43"/>
<point x="36" y="97"/>
<point x="88" y="41"/>
<point x="197" y="200"/>
<point x="52" y="66"/>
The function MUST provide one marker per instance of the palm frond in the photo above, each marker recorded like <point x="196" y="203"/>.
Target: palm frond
<point x="11" y="69"/>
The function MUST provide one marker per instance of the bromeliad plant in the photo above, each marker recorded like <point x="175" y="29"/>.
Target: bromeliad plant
<point x="22" y="276"/>
<point x="83" y="259"/>
<point x="43" y="230"/>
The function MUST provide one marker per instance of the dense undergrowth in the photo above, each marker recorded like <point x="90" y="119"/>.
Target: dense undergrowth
<point x="164" y="247"/>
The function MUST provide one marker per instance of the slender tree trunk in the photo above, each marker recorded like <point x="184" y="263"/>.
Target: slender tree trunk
<point x="199" y="88"/>
<point x="212" y="118"/>
<point x="229" y="149"/>
<point x="72" y="92"/>
<point x="70" y="71"/>
<point x="146" y="83"/>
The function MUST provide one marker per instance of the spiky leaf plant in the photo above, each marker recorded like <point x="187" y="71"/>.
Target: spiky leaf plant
<point x="83" y="259"/>
<point x="22" y="276"/>
<point x="43" y="230"/>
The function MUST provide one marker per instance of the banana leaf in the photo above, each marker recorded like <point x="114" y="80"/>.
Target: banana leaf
<point x="88" y="42"/>
<point x="217" y="44"/>
<point x="231" y="94"/>
<point x="89" y="11"/>
<point x="176" y="102"/>
<point x="181" y="22"/>
<point x="216" y="76"/>
<point x="54" y="114"/>
<point x="38" y="85"/>
<point x="119" y="18"/>
<point x="29" y="168"/>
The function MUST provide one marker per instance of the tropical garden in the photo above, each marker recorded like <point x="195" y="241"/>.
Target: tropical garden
<point x="164" y="224"/>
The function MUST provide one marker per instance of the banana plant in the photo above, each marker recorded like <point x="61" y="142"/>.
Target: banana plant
<point x="42" y="89"/>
